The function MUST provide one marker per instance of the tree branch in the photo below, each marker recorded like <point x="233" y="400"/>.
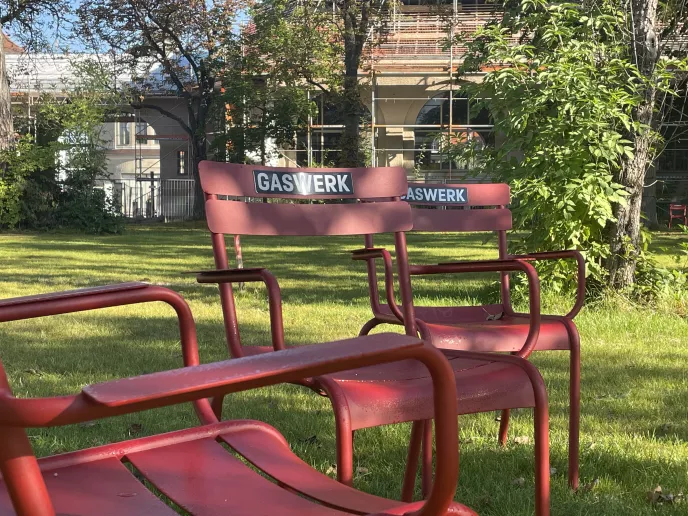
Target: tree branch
<point x="162" y="55"/>
<point x="163" y="111"/>
<point x="180" y="46"/>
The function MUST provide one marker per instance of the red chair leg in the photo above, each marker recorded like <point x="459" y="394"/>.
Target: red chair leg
<point x="343" y="432"/>
<point x="504" y="427"/>
<point x="216" y="405"/>
<point x="412" y="461"/>
<point x="426" y="465"/>
<point x="574" y="405"/>
<point x="22" y="476"/>
<point x="345" y="450"/>
<point x="542" y="472"/>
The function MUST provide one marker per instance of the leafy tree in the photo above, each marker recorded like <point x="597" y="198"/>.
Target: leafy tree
<point x="184" y="42"/>
<point x="21" y="160"/>
<point x="51" y="181"/>
<point x="264" y="100"/>
<point x="325" y="44"/>
<point x="573" y="110"/>
<point x="29" y="17"/>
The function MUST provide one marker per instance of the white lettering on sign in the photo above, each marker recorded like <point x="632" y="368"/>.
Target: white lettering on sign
<point x="436" y="193"/>
<point x="303" y="183"/>
<point x="262" y="181"/>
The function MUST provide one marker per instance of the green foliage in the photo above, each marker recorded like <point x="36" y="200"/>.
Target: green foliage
<point x="51" y="183"/>
<point x="88" y="210"/>
<point x="19" y="163"/>
<point x="654" y="282"/>
<point x="562" y="100"/>
<point x="263" y="93"/>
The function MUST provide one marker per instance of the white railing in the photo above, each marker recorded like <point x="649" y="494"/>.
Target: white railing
<point x="168" y="199"/>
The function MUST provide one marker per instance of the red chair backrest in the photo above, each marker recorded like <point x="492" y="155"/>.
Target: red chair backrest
<point x="469" y="207"/>
<point x="234" y="216"/>
<point x="382" y="212"/>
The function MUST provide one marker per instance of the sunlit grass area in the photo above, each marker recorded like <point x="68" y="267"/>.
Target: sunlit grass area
<point x="634" y="385"/>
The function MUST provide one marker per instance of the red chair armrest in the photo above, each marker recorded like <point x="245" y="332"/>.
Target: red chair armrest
<point x="234" y="375"/>
<point x="253" y="275"/>
<point x="68" y="294"/>
<point x="580" y="273"/>
<point x="500" y="265"/>
<point x="73" y="301"/>
<point x="377" y="252"/>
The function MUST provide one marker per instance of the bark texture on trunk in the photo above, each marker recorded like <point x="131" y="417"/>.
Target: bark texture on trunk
<point x="625" y="232"/>
<point x="6" y="123"/>
<point x="200" y="152"/>
<point x="350" y="141"/>
<point x="356" y="16"/>
<point x="649" y="204"/>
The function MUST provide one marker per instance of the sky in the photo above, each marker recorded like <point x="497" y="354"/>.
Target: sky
<point x="58" y="37"/>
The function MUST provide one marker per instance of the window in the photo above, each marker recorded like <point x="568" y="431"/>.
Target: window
<point x="142" y="130"/>
<point x="181" y="163"/>
<point x="469" y="122"/>
<point x="123" y="134"/>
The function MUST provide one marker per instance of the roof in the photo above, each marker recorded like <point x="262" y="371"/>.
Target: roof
<point x="10" y="46"/>
<point x="59" y="73"/>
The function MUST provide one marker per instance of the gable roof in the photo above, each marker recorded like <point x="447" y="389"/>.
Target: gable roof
<point x="10" y="46"/>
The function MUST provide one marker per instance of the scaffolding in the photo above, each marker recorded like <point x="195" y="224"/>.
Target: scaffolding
<point x="420" y="44"/>
<point x="148" y="186"/>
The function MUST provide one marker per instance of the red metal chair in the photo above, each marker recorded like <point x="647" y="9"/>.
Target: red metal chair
<point x="488" y="328"/>
<point x="377" y="395"/>
<point x="192" y="468"/>
<point x="678" y="211"/>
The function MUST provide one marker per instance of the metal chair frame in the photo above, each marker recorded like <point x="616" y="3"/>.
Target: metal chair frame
<point x="483" y="208"/>
<point x="192" y="467"/>
<point x="377" y="395"/>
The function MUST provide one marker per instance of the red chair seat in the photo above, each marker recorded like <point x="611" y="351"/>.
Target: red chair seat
<point x="104" y="487"/>
<point x="467" y="328"/>
<point x="200" y="475"/>
<point x="387" y="394"/>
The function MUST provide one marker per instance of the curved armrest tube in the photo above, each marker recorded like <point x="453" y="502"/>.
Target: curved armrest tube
<point x="253" y="275"/>
<point x="371" y="254"/>
<point x="202" y="381"/>
<point x="228" y="275"/>
<point x="55" y="297"/>
<point x="250" y="372"/>
<point x="562" y="255"/>
<point x="501" y="265"/>
<point x="73" y="301"/>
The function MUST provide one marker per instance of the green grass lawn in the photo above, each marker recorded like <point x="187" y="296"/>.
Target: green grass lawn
<point x="635" y="363"/>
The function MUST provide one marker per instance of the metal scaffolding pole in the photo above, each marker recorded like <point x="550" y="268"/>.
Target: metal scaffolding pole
<point x="373" y="130"/>
<point x="451" y="88"/>
<point x="309" y="146"/>
<point x="321" y="119"/>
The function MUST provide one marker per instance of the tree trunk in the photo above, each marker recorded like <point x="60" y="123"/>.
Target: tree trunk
<point x="350" y="142"/>
<point x="355" y="29"/>
<point x="625" y="231"/>
<point x="200" y="152"/>
<point x="649" y="204"/>
<point x="6" y="124"/>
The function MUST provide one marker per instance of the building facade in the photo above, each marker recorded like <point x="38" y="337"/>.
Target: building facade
<point x="411" y="97"/>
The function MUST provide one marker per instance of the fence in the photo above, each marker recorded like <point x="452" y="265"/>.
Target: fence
<point x="167" y="199"/>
